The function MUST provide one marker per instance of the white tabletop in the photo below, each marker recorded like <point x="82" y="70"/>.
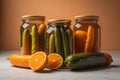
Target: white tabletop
<point x="8" y="72"/>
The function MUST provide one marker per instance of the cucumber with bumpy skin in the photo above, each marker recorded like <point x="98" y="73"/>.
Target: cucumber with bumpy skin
<point x="85" y="61"/>
<point x="35" y="39"/>
<point x="26" y="42"/>
<point x="52" y="44"/>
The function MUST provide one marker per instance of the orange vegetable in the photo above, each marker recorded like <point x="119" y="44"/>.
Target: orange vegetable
<point x="55" y="61"/>
<point x="80" y="39"/>
<point x="19" y="60"/>
<point x="90" y="39"/>
<point x="38" y="61"/>
<point x="41" y="31"/>
<point x="108" y="59"/>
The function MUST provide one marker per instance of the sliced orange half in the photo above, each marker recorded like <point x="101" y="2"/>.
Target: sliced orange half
<point x="55" y="61"/>
<point x="38" y="61"/>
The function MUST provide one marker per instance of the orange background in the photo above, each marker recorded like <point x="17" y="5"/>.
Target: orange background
<point x="12" y="10"/>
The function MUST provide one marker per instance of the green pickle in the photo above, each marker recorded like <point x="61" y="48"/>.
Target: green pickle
<point x="52" y="44"/>
<point x="57" y="39"/>
<point x="35" y="39"/>
<point x="69" y="40"/>
<point x="26" y="42"/>
<point x="64" y="39"/>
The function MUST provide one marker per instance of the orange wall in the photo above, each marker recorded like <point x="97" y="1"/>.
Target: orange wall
<point x="12" y="10"/>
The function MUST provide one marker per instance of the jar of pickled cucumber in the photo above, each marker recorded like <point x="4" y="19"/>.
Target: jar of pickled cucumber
<point x="32" y="34"/>
<point x="87" y="34"/>
<point x="59" y="37"/>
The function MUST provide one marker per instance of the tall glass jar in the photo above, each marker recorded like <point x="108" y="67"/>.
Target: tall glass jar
<point x="32" y="34"/>
<point x="87" y="34"/>
<point x="59" y="38"/>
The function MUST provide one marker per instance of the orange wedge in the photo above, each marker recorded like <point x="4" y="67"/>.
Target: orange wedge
<point x="55" y="61"/>
<point x="38" y="61"/>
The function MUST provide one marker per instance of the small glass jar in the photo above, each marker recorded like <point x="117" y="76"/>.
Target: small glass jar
<point x="59" y="37"/>
<point x="87" y="34"/>
<point x="32" y="34"/>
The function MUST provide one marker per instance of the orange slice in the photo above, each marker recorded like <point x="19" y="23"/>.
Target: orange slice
<point x="38" y="61"/>
<point x="55" y="61"/>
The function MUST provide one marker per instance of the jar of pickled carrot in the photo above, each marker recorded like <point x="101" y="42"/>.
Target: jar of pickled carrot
<point x="87" y="34"/>
<point x="32" y="34"/>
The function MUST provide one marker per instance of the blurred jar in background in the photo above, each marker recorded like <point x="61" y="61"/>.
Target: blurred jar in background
<point x="32" y="34"/>
<point x="87" y="34"/>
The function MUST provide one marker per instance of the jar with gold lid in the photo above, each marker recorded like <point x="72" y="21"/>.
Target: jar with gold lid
<point x="59" y="37"/>
<point x="32" y="34"/>
<point x="87" y="34"/>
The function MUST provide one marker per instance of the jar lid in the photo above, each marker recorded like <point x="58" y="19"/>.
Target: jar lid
<point x="84" y="17"/>
<point x="59" y="21"/>
<point x="32" y="17"/>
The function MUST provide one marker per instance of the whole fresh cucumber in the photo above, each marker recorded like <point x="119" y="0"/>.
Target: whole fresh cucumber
<point x="85" y="61"/>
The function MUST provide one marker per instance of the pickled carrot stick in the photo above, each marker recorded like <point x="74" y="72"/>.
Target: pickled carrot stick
<point x="90" y="39"/>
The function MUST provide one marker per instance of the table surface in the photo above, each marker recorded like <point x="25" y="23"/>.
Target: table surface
<point x="8" y="72"/>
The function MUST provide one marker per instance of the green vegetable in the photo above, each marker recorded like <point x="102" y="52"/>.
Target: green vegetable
<point x="69" y="40"/>
<point x="65" y="42"/>
<point x="52" y="44"/>
<point x="21" y="34"/>
<point x="26" y="42"/>
<point x="57" y="40"/>
<point x="35" y="39"/>
<point x="85" y="61"/>
<point x="47" y="43"/>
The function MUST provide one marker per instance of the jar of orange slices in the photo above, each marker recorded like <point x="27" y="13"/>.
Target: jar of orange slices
<point x="87" y="34"/>
<point x="32" y="33"/>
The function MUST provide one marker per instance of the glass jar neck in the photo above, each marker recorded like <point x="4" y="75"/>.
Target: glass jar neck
<point x="59" y="25"/>
<point x="33" y="21"/>
<point x="87" y="21"/>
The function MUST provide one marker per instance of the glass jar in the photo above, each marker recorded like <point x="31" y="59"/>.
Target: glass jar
<point x="87" y="34"/>
<point x="32" y="34"/>
<point x="59" y="37"/>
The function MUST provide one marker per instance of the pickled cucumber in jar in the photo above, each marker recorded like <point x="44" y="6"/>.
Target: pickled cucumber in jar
<point x="59" y="37"/>
<point x="33" y="32"/>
